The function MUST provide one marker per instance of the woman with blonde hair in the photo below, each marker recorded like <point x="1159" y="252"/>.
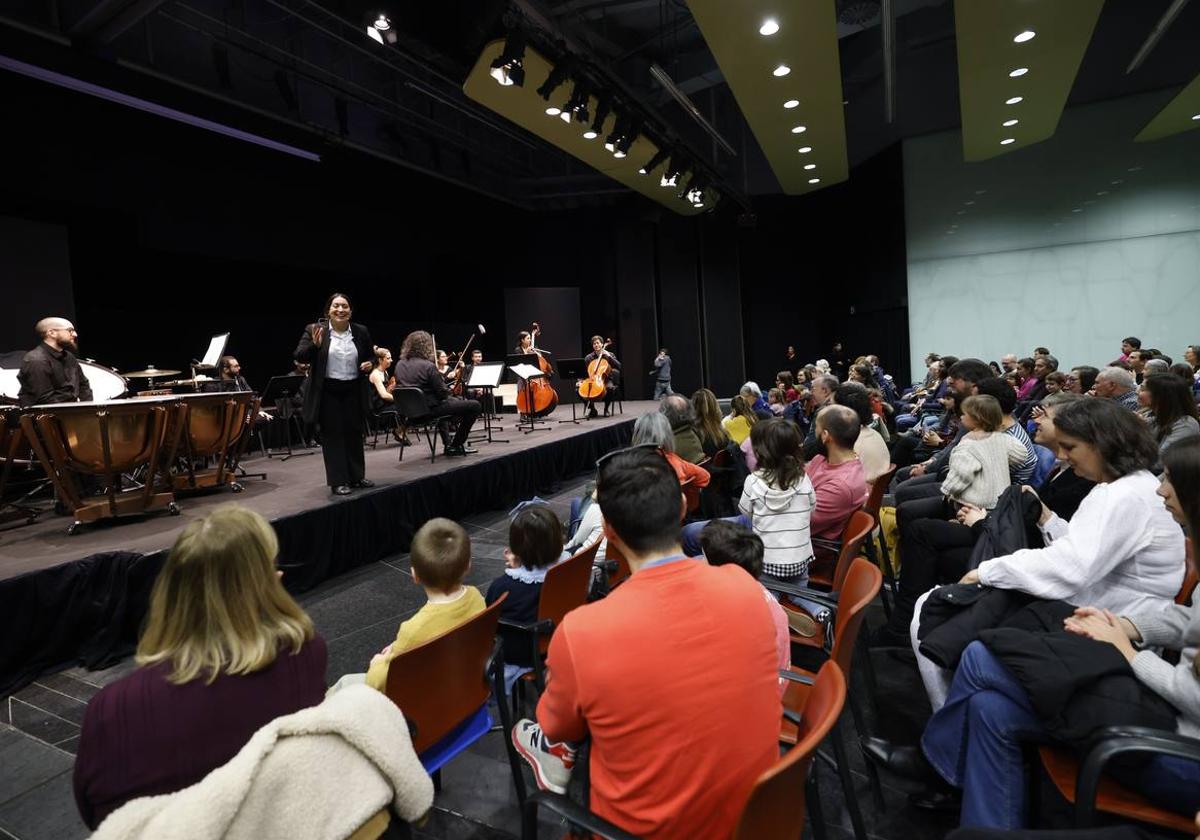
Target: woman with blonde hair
<point x="708" y="422"/>
<point x="224" y="651"/>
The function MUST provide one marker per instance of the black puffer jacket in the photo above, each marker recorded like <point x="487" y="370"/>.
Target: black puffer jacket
<point x="954" y="616"/>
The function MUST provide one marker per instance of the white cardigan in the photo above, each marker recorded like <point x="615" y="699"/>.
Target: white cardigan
<point x="1121" y="551"/>
<point x="319" y="773"/>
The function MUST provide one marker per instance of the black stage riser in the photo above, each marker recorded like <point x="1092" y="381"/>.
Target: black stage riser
<point x="90" y="611"/>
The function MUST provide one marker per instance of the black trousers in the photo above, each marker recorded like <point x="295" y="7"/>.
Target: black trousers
<point x="935" y="551"/>
<point x="467" y="412"/>
<point x="342" y="424"/>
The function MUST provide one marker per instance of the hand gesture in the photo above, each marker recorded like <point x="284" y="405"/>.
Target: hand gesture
<point x="1103" y="626"/>
<point x="971" y="577"/>
<point x="970" y="514"/>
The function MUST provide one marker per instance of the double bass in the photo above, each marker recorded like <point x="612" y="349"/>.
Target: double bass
<point x="594" y="387"/>
<point x="538" y="398"/>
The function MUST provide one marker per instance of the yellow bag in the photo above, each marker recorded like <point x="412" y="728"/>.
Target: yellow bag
<point x="891" y="534"/>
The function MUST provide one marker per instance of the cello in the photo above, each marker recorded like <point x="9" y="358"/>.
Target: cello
<point x="538" y="398"/>
<point x="594" y="387"/>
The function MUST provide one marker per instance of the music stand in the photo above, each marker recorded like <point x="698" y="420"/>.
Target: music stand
<point x="525" y="367"/>
<point x="485" y="376"/>
<point x="280" y="390"/>
<point x="572" y="370"/>
<point x="216" y="349"/>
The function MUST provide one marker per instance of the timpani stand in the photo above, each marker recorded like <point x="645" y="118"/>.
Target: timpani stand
<point x="103" y="440"/>
<point x="15" y="452"/>
<point x="208" y="426"/>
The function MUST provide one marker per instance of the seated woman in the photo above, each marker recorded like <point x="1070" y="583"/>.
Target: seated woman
<point x="709" y="427"/>
<point x="654" y="429"/>
<point x="381" y="397"/>
<point x="1121" y="550"/>
<point x="1172" y="409"/>
<point x="225" y="650"/>
<point x="974" y="740"/>
<point x="740" y="421"/>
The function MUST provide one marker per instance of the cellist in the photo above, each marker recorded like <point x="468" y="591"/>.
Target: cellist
<point x="612" y="377"/>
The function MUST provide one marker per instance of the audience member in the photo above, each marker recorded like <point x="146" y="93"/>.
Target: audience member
<point x="653" y="430"/>
<point x="785" y="383"/>
<point x="1028" y="382"/>
<point x="535" y="543"/>
<point x="1056" y="382"/>
<point x="1172" y="409"/>
<point x="740" y="421"/>
<point x="1082" y="379"/>
<point x="224" y="651"/>
<point x="755" y="399"/>
<point x="1118" y="385"/>
<point x="1128" y="345"/>
<point x="1137" y="362"/>
<point x="1157" y="365"/>
<point x="705" y="663"/>
<point x="836" y="474"/>
<point x="871" y="450"/>
<point x="980" y="464"/>
<point x="1008" y="362"/>
<point x="709" y="426"/>
<point x="682" y="419"/>
<point x="823" y="388"/>
<point x="725" y="542"/>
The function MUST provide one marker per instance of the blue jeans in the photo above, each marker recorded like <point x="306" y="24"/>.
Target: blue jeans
<point x="662" y="388"/>
<point x="974" y="740"/>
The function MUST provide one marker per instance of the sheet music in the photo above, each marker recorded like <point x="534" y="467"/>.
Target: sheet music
<point x="216" y="349"/>
<point x="525" y="371"/>
<point x="485" y="375"/>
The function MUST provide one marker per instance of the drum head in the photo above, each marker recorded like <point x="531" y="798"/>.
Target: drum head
<point x="106" y="384"/>
<point x="9" y="386"/>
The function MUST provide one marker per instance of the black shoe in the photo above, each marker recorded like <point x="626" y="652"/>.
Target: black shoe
<point x="908" y="762"/>
<point x="341" y="490"/>
<point x="946" y="800"/>
<point x="886" y="636"/>
<point x="592" y="414"/>
<point x="362" y="482"/>
<point x="459" y="451"/>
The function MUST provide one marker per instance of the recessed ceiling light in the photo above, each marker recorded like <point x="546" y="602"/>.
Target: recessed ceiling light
<point x="1118" y="181"/>
<point x="1020" y="71"/>
<point x="782" y="70"/>
<point x="769" y="27"/>
<point x="814" y="180"/>
<point x="698" y="204"/>
<point x="589" y="135"/>
<point x="961" y="213"/>
<point x="1102" y="192"/>
<point x="800" y="129"/>
<point x="1013" y="100"/>
<point x="565" y="116"/>
<point x="1022" y="37"/>
<point x="805" y="149"/>
<point x="1134" y="169"/>
<point x="968" y="203"/>
<point x="1009" y="123"/>
<point x="610" y="147"/>
<point x="552" y="111"/>
<point x="980" y="192"/>
<point x="810" y="166"/>
<point x="1008" y="140"/>
<point x="791" y="103"/>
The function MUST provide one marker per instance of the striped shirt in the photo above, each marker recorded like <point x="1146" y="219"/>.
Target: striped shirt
<point x="781" y="519"/>
<point x="1024" y="473"/>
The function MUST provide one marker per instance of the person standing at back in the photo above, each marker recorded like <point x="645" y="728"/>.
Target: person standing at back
<point x="673" y="675"/>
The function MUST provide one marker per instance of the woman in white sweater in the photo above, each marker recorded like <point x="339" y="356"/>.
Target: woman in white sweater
<point x="980" y="463"/>
<point x="1121" y="550"/>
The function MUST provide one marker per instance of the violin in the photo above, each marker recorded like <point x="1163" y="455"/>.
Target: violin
<point x="540" y="398"/>
<point x="594" y="387"/>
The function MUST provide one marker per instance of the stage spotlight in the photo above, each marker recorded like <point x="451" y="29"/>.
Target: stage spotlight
<point x="687" y="185"/>
<point x="559" y="73"/>
<point x="509" y="68"/>
<point x="603" y="108"/>
<point x="577" y="105"/>
<point x="380" y="29"/>
<point x="620" y="127"/>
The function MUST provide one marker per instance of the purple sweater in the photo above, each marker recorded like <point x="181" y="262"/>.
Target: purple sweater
<point x="144" y="736"/>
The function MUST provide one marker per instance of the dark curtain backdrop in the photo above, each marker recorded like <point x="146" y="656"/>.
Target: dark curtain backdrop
<point x="35" y="273"/>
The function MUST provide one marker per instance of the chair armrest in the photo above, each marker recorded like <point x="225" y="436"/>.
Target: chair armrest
<point x="794" y="718"/>
<point x="830" y="545"/>
<point x="792" y="676"/>
<point x="545" y="627"/>
<point x="1112" y="741"/>
<point x="573" y="813"/>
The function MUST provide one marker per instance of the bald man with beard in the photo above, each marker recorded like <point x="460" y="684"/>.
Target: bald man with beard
<point x="50" y="373"/>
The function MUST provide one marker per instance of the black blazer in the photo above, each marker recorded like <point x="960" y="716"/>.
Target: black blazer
<point x="318" y="355"/>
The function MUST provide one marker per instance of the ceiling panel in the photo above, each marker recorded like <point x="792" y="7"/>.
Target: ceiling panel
<point x="1025" y="82"/>
<point x="522" y="105"/>
<point x="803" y="38"/>
<point x="1180" y="114"/>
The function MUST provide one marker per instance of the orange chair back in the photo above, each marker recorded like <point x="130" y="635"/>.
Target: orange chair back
<point x="856" y="532"/>
<point x="611" y="552"/>
<point x="440" y="683"/>
<point x="775" y="809"/>
<point x="1190" y="578"/>
<point x="861" y="585"/>
<point x="878" y="489"/>
<point x="565" y="588"/>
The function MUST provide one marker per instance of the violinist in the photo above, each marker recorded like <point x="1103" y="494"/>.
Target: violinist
<point x="443" y="365"/>
<point x="417" y="369"/>
<point x="381" y="397"/>
<point x="611" y="378"/>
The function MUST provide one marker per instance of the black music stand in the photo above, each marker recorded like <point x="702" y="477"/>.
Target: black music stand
<point x="572" y="370"/>
<point x="519" y="363"/>
<point x="485" y="376"/>
<point x="280" y="390"/>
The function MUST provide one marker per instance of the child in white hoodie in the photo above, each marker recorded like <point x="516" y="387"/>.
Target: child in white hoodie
<point x="778" y="499"/>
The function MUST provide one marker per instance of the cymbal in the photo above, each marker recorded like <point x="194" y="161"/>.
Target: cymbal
<point x="151" y="372"/>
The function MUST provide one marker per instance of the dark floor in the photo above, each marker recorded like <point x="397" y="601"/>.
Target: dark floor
<point x="358" y="614"/>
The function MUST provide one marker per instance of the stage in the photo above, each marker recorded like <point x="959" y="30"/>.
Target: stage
<point x="68" y="599"/>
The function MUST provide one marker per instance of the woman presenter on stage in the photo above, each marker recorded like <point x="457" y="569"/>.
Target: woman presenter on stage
<point x="340" y="355"/>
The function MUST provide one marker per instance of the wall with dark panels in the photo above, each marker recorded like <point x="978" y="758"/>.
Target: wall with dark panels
<point x="637" y="321"/>
<point x="721" y="306"/>
<point x="679" y="301"/>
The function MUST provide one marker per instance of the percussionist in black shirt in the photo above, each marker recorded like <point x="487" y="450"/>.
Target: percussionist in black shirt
<point x="50" y="373"/>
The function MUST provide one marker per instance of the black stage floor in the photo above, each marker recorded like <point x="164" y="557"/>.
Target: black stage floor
<point x="67" y="599"/>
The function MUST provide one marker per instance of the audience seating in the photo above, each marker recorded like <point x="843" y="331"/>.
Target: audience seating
<point x="861" y="585"/>
<point x="775" y="809"/>
<point x="443" y="688"/>
<point x="876" y="547"/>
<point x="413" y="412"/>
<point x="565" y="588"/>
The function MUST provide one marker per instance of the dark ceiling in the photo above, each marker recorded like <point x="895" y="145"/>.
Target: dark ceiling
<point x="304" y="72"/>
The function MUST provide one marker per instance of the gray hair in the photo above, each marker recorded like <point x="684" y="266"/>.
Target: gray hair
<point x="751" y="388"/>
<point x="1120" y="377"/>
<point x="678" y="411"/>
<point x="1157" y="365"/>
<point x="654" y="428"/>
<point x="828" y="380"/>
<point x="1050" y="362"/>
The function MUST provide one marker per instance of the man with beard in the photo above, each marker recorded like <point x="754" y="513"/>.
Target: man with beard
<point x="50" y="373"/>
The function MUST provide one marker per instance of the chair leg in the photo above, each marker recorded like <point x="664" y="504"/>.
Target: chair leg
<point x="812" y="799"/>
<point x="432" y="444"/>
<point x="872" y="552"/>
<point x="437" y="781"/>
<point x="843" y="769"/>
<point x="889" y="572"/>
<point x="872" y="771"/>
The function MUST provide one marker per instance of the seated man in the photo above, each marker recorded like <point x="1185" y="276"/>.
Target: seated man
<point x="417" y="369"/>
<point x="679" y="695"/>
<point x="682" y="417"/>
<point x="1118" y="385"/>
<point x="50" y="373"/>
<point x="836" y="474"/>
